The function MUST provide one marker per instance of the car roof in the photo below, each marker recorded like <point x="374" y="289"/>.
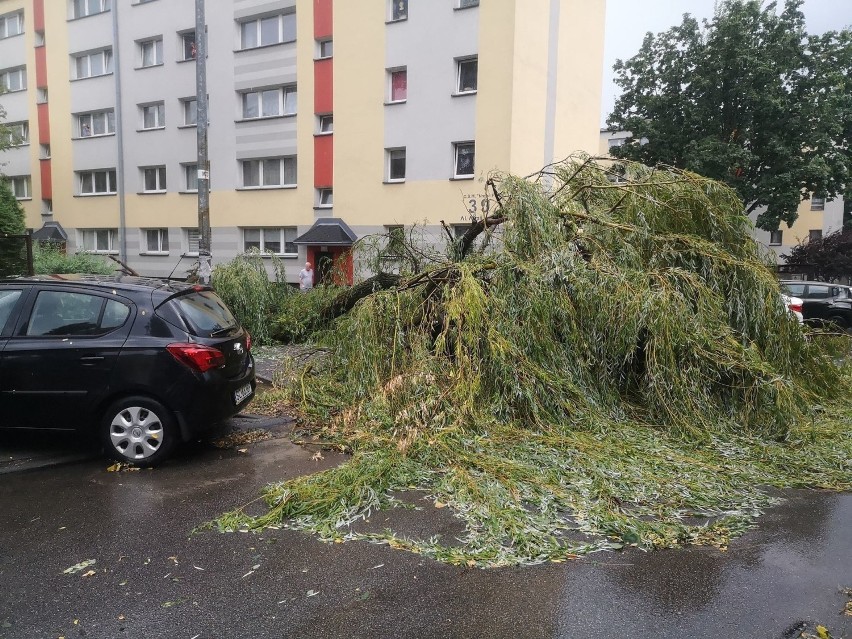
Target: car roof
<point x="813" y="282"/>
<point x="120" y="282"/>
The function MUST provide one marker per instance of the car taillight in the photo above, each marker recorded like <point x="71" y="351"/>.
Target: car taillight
<point x="796" y="308"/>
<point x="248" y="341"/>
<point x="197" y="357"/>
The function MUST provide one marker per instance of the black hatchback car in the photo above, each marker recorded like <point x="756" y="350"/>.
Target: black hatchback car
<point x="822" y="302"/>
<point x="141" y="363"/>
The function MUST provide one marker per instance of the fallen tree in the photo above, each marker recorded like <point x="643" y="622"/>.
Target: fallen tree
<point x="617" y="360"/>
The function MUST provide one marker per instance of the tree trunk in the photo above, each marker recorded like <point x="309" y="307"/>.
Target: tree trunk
<point x="344" y="302"/>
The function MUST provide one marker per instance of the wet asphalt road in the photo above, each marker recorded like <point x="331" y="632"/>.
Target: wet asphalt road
<point x="153" y="578"/>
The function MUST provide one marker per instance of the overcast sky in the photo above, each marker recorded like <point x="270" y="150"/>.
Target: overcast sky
<point x="627" y="22"/>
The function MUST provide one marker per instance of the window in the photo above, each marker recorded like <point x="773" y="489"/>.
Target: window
<point x="90" y="65"/>
<point x="819" y="292"/>
<point x="83" y="8"/>
<point x="189" y="108"/>
<point x="269" y="172"/>
<point x="326" y="49"/>
<point x="156" y="241"/>
<point x="464" y="4"/>
<point x="269" y="103"/>
<point x="460" y="229"/>
<point x="99" y="240"/>
<point x="8" y="299"/>
<point x="326" y="124"/>
<point x="20" y="186"/>
<point x="154" y="116"/>
<point x="398" y="85"/>
<point x="96" y="123"/>
<point x="395" y="165"/>
<point x="13" y="80"/>
<point x="325" y="198"/>
<point x="814" y="235"/>
<point x="193" y="241"/>
<point x="817" y="204"/>
<point x="151" y="52"/>
<point x="11" y="24"/>
<point x="44" y="151"/>
<point x="270" y="240"/>
<point x="97" y="182"/>
<point x="775" y="237"/>
<point x="398" y="10"/>
<point x="154" y="179"/>
<point x="190" y="175"/>
<point x="464" y="160"/>
<point x="615" y="142"/>
<point x="466" y="75"/>
<point x="41" y="95"/>
<point x="188" y="50"/>
<point x="262" y="32"/>
<point x="16" y="134"/>
<point x="63" y="314"/>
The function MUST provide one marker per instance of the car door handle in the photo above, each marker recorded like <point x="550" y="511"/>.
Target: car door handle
<point x="88" y="361"/>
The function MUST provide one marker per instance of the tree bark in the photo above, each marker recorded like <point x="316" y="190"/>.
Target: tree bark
<point x="344" y="302"/>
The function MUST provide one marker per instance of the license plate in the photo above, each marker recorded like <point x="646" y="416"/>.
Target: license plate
<point x="242" y="393"/>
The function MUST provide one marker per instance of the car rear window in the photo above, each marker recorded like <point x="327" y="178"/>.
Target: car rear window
<point x="205" y="314"/>
<point x="796" y="290"/>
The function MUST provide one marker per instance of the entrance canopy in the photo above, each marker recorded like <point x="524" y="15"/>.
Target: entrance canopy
<point x="328" y="231"/>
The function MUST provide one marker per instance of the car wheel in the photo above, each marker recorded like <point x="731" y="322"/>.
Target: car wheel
<point x="139" y="431"/>
<point x="838" y="322"/>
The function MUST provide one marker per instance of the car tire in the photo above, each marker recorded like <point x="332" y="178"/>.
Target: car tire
<point x="838" y="322"/>
<point x="138" y="430"/>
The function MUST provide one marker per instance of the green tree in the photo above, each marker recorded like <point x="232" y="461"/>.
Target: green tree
<point x="12" y="260"/>
<point x="826" y="258"/>
<point x="749" y="99"/>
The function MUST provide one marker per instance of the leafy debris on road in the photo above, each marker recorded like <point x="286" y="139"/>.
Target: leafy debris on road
<point x="80" y="566"/>
<point x="242" y="437"/>
<point x="617" y="370"/>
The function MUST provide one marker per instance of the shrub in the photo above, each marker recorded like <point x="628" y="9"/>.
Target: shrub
<point x="247" y="289"/>
<point x="299" y="315"/>
<point x="49" y="260"/>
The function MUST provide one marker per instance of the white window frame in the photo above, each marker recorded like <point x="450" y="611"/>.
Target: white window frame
<point x="191" y="237"/>
<point x="457" y="146"/>
<point x="88" y="120"/>
<point x="389" y="159"/>
<point x="817" y="203"/>
<point x="261" y="172"/>
<point x="89" y="8"/>
<point x="156" y="49"/>
<point x="17" y="134"/>
<point x="397" y="10"/>
<point x="391" y="73"/>
<point x="185" y="109"/>
<point x="159" y="175"/>
<point x="15" y="18"/>
<point x="286" y="105"/>
<point x="776" y="238"/>
<point x="92" y="234"/>
<point x="460" y="63"/>
<point x="183" y="46"/>
<point x="325" y="124"/>
<point x="21" y="186"/>
<point x="286" y="20"/>
<point x="162" y="246"/>
<point x="111" y="182"/>
<point x="325" y="198"/>
<point x="268" y="234"/>
<point x="325" y="49"/>
<point x="6" y="76"/>
<point x="158" y="109"/>
<point x="190" y="169"/>
<point x="106" y="64"/>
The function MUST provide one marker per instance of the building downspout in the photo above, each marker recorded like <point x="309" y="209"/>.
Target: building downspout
<point x="119" y="137"/>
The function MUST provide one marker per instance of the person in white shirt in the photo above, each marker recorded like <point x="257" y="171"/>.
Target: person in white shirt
<point x="306" y="277"/>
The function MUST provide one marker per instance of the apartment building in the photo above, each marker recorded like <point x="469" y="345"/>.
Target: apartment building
<point x="816" y="216"/>
<point x="328" y="121"/>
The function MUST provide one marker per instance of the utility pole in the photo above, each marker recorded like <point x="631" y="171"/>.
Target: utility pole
<point x="204" y="253"/>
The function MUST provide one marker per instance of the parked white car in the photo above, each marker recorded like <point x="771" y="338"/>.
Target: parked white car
<point x="794" y="306"/>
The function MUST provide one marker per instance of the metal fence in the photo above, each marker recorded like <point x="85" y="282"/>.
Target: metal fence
<point x="16" y="255"/>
